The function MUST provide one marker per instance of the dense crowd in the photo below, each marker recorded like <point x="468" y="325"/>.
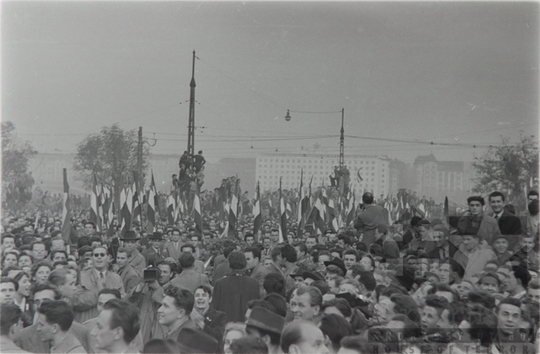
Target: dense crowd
<point x="420" y="285"/>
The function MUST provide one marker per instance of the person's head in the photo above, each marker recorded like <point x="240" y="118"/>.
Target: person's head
<point x="161" y="346"/>
<point x="350" y="257"/>
<point x="42" y="292"/>
<point x="508" y="315"/>
<point x="249" y="344"/>
<point x="89" y="227"/>
<point x="176" y="306"/>
<point x="249" y="239"/>
<point x="188" y="247"/>
<point x="26" y="261"/>
<point x="10" y="259"/>
<point x="165" y="273"/>
<point x="479" y="324"/>
<point x="105" y="295"/>
<point x="532" y="195"/>
<point x="237" y="260"/>
<point x="431" y="313"/>
<point x="496" y="201"/>
<point x="11" y="320"/>
<point x="65" y="281"/>
<point x="39" y="251"/>
<point x="40" y="272"/>
<point x="233" y="331"/>
<point x="527" y="242"/>
<point x="58" y="256"/>
<point x="8" y="289"/>
<point x="303" y="337"/>
<point x="116" y="326"/>
<point x="122" y="257"/>
<point x="267" y="242"/>
<point x="288" y="254"/>
<point x="470" y="242"/>
<point x="368" y="263"/>
<point x="23" y="279"/>
<point x="100" y="259"/>
<point x="338" y="306"/>
<point x="274" y="283"/>
<point x="476" y="204"/>
<point x="186" y="260"/>
<point x="490" y="283"/>
<point x="367" y="198"/>
<point x="253" y="257"/>
<point x="278" y="302"/>
<point x="54" y="319"/>
<point x="175" y="236"/>
<point x="500" y="244"/>
<point x="57" y="243"/>
<point x="532" y="207"/>
<point x="301" y="250"/>
<point x="306" y="303"/>
<point x="203" y="297"/>
<point x="334" y="328"/>
<point x="533" y="291"/>
<point x="8" y="241"/>
<point x="311" y="241"/>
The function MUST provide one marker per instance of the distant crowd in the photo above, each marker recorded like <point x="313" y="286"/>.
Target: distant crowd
<point x="417" y="285"/>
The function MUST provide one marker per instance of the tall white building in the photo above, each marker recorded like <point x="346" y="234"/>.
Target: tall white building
<point x="374" y="171"/>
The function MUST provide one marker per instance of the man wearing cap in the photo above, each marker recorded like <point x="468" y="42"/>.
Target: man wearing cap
<point x="486" y="226"/>
<point x="156" y="253"/>
<point x="368" y="219"/>
<point x="267" y="326"/>
<point x="136" y="259"/>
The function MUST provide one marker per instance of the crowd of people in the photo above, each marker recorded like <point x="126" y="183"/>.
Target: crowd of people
<point x="414" y="286"/>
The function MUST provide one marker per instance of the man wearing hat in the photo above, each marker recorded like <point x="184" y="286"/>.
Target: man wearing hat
<point x="267" y="326"/>
<point x="155" y="253"/>
<point x="310" y="277"/>
<point x="136" y="259"/>
<point x="193" y="340"/>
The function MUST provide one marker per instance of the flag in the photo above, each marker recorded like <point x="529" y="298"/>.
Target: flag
<point x="94" y="206"/>
<point x="66" y="222"/>
<point x="171" y="208"/>
<point x="136" y="206"/>
<point x="197" y="213"/>
<point x="332" y="217"/>
<point x="317" y="216"/>
<point x="358" y="175"/>
<point x="151" y="206"/>
<point x="233" y="211"/>
<point x="257" y="220"/>
<point x="127" y="210"/>
<point x="351" y="210"/>
<point x="282" y="216"/>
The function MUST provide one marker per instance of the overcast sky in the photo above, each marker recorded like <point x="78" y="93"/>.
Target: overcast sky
<point x="451" y="73"/>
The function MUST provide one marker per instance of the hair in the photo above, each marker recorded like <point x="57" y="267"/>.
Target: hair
<point x="340" y="304"/>
<point x="482" y="298"/>
<point x="10" y="280"/>
<point x="122" y="250"/>
<point x="336" y="250"/>
<point x="255" y="251"/>
<point x="186" y="260"/>
<point x="8" y="253"/>
<point x="206" y="289"/>
<point x="334" y="269"/>
<point x="521" y="273"/>
<point x="234" y="326"/>
<point x="483" y="325"/>
<point x="237" y="260"/>
<point x="301" y="246"/>
<point x="315" y="295"/>
<point x="278" y="302"/>
<point x="439" y="303"/>
<point x="57" y="312"/>
<point x="187" y="245"/>
<point x="37" y="243"/>
<point x="288" y="253"/>
<point x="36" y="266"/>
<point x="125" y="315"/>
<point x="322" y="286"/>
<point x="508" y="301"/>
<point x="534" y="284"/>
<point x="292" y="334"/>
<point x="58" y="276"/>
<point x="335" y="327"/>
<point x="46" y="286"/>
<point x="443" y="287"/>
<point x="367" y="255"/>
<point x="248" y="234"/>
<point x="366" y="278"/>
<point x="346" y="239"/>
<point x="496" y="194"/>
<point x="111" y="291"/>
<point x="11" y="314"/>
<point x="353" y="252"/>
<point x="274" y="283"/>
<point x="532" y="207"/>
<point x="261" y="303"/>
<point x="367" y="198"/>
<point x="249" y="344"/>
<point x="183" y="298"/>
<point x="405" y="305"/>
<point x="160" y="346"/>
<point x="7" y="270"/>
<point x="476" y="198"/>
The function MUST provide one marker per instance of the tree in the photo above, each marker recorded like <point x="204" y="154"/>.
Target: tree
<point x="17" y="182"/>
<point x="509" y="168"/>
<point x="112" y="156"/>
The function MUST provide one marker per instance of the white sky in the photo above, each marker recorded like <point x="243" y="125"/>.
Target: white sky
<point x="464" y="73"/>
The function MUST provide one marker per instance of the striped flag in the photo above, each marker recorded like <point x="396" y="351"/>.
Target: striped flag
<point x="94" y="206"/>
<point x="151" y="206"/>
<point x="197" y="213"/>
<point x="257" y="220"/>
<point x="282" y="216"/>
<point x="332" y="216"/>
<point x="66" y="217"/>
<point x="171" y="209"/>
<point x="351" y="210"/>
<point x="233" y="211"/>
<point x="127" y="210"/>
<point x="136" y="203"/>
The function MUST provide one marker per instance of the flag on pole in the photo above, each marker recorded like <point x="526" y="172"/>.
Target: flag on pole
<point x="257" y="220"/>
<point x="351" y="210"/>
<point x="136" y="206"/>
<point x="197" y="213"/>
<point x="171" y="209"/>
<point x="66" y="222"/>
<point x="282" y="216"/>
<point x="151" y="206"/>
<point x="94" y="206"/>
<point x="127" y="210"/>
<point x="233" y="211"/>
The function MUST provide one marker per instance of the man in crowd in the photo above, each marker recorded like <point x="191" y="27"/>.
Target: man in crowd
<point x="254" y="265"/>
<point x="175" y="310"/>
<point x="10" y="327"/>
<point x="130" y="277"/>
<point x="486" y="227"/>
<point x="303" y="337"/>
<point x="136" y="259"/>
<point x="53" y="323"/>
<point x="368" y="219"/>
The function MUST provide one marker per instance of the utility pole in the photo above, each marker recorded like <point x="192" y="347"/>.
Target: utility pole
<point x="191" y="126"/>
<point x="139" y="161"/>
<point x="342" y="142"/>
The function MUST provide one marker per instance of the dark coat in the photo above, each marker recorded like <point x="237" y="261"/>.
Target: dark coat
<point x="509" y="224"/>
<point x="214" y="323"/>
<point x="232" y="294"/>
<point x="435" y="254"/>
<point x="153" y="258"/>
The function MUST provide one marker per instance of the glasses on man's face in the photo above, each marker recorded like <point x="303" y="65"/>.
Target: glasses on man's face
<point x="99" y="254"/>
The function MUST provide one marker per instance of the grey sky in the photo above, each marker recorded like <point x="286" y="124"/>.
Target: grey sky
<point x="442" y="72"/>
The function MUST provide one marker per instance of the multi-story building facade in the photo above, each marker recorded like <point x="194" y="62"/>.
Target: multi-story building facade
<point x="373" y="170"/>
